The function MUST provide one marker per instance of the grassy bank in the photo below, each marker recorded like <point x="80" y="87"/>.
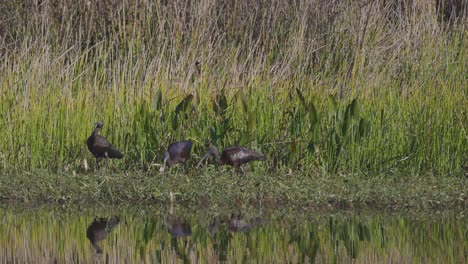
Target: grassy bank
<point x="348" y="87"/>
<point x="214" y="189"/>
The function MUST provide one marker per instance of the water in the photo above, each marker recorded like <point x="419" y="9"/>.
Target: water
<point x="157" y="237"/>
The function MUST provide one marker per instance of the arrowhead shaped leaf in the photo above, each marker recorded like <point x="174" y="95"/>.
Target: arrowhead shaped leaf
<point x="184" y="104"/>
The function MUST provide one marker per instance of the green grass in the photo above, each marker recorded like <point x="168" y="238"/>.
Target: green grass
<point x="227" y="189"/>
<point x="319" y="89"/>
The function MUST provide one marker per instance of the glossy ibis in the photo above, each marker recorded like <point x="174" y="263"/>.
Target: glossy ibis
<point x="99" y="229"/>
<point x="234" y="156"/>
<point x="100" y="147"/>
<point x="177" y="152"/>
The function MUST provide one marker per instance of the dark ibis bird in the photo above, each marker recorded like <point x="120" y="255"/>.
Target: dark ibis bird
<point x="177" y="152"/>
<point x="99" y="229"/>
<point x="100" y="147"/>
<point x="234" y="156"/>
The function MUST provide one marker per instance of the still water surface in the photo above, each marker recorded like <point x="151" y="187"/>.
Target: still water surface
<point x="46" y="236"/>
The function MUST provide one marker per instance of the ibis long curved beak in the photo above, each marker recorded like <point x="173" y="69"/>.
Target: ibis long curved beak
<point x="208" y="153"/>
<point x="165" y="158"/>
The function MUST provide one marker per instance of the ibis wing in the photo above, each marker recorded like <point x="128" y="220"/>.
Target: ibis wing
<point x="239" y="155"/>
<point x="177" y="152"/>
<point x="180" y="149"/>
<point x="102" y="146"/>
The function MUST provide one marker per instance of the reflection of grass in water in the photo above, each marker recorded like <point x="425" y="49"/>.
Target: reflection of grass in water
<point x="267" y="77"/>
<point x="47" y="236"/>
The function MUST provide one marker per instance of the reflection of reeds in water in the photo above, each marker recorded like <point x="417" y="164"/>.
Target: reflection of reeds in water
<point x="45" y="237"/>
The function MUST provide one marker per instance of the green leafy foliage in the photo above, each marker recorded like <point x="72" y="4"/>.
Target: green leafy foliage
<point x="332" y="95"/>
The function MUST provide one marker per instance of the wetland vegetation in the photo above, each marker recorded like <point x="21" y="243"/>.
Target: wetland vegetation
<point x="360" y="108"/>
<point x="350" y="102"/>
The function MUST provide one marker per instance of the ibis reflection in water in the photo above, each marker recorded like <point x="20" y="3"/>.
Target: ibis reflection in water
<point x="99" y="229"/>
<point x="100" y="147"/>
<point x="221" y="230"/>
<point x="177" y="152"/>
<point x="180" y="230"/>
<point x="236" y="223"/>
<point x="234" y="156"/>
<point x="177" y="227"/>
